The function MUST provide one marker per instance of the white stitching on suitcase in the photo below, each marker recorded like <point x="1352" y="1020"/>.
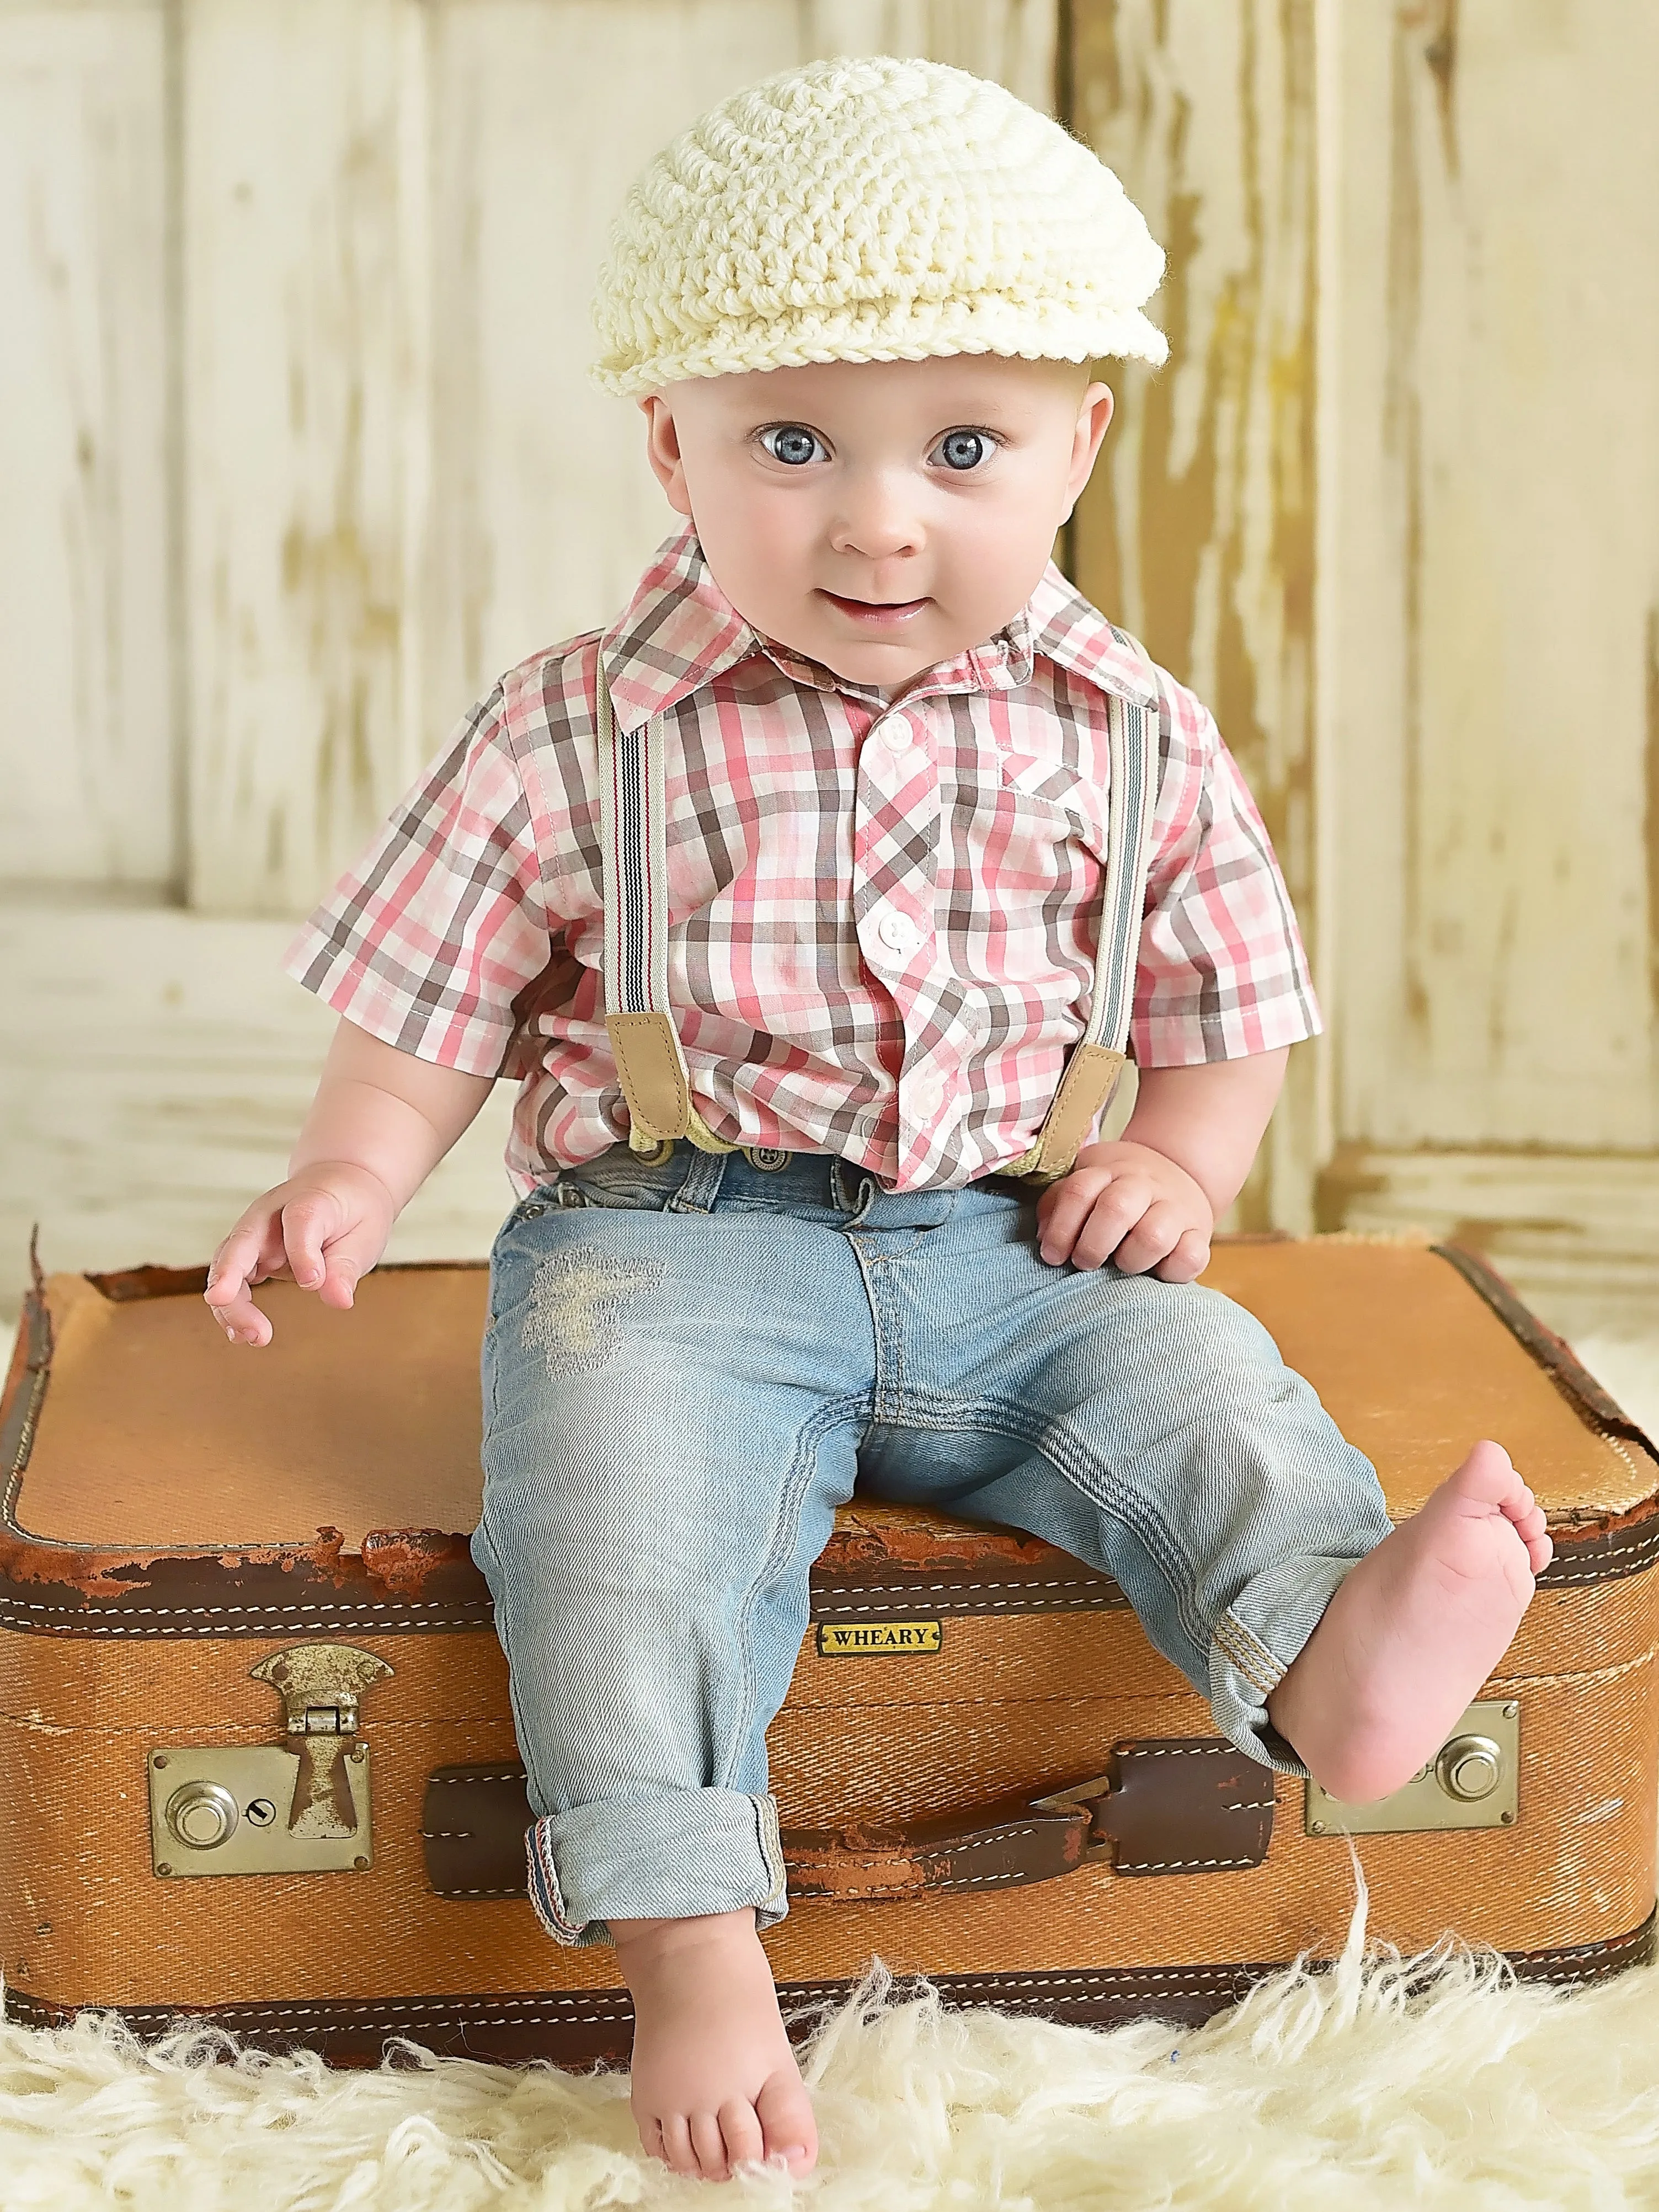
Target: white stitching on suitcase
<point x="896" y="1591"/>
<point x="1175" y="1865"/>
<point x="561" y="2009"/>
<point x="94" y="1620"/>
<point x="320" y="1605"/>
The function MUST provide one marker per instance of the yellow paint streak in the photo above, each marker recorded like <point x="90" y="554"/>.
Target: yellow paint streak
<point x="1205" y="541"/>
<point x="1650" y="807"/>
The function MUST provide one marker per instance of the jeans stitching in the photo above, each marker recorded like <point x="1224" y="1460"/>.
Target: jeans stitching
<point x="1239" y="1645"/>
<point x="785" y="1528"/>
<point x="1097" y="1483"/>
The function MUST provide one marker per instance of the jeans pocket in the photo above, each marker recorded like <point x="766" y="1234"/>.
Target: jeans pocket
<point x="625" y="1184"/>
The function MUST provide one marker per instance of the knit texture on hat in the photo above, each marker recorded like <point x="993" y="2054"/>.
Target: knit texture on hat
<point x="870" y="211"/>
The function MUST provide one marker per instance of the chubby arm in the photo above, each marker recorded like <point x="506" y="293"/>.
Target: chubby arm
<point x="1149" y="1200"/>
<point x="379" y="1123"/>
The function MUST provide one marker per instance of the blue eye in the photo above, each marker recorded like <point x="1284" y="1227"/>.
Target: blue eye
<point x="790" y="442"/>
<point x="964" y="449"/>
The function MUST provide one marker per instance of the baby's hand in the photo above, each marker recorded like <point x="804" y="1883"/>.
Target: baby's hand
<point x="322" y="1229"/>
<point x="1131" y="1205"/>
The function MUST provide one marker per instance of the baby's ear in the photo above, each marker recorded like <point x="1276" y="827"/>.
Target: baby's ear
<point x="662" y="450"/>
<point x="1093" y="415"/>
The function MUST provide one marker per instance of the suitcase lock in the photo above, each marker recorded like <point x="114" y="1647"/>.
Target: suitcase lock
<point x="300" y="1807"/>
<point x="1471" y="1783"/>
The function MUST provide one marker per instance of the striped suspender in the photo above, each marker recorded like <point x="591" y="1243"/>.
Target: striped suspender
<point x="650" y="1064"/>
<point x="633" y="837"/>
<point x="1097" y="1057"/>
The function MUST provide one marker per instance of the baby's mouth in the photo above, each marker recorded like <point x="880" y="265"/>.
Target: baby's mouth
<point x="878" y="614"/>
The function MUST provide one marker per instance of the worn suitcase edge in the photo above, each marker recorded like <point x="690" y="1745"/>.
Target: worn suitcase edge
<point x="584" y="2027"/>
<point x="415" y="1580"/>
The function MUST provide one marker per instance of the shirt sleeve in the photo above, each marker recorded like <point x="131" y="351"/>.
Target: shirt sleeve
<point x="1222" y="968"/>
<point x="428" y="939"/>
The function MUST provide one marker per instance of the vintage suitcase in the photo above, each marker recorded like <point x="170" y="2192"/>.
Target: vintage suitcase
<point x="255" y="1759"/>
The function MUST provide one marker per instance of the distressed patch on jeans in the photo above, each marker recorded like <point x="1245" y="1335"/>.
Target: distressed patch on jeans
<point x="577" y="1300"/>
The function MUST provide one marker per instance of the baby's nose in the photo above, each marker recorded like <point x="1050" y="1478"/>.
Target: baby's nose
<point x="877" y="523"/>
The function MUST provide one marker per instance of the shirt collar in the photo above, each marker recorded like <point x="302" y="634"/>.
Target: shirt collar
<point x="679" y="630"/>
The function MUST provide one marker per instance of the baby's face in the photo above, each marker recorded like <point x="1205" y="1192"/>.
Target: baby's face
<point x="879" y="517"/>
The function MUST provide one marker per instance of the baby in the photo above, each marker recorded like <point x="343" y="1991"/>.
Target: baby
<point x="814" y="906"/>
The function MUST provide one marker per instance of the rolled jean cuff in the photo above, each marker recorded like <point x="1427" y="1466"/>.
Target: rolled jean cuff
<point x="667" y="1858"/>
<point x="1254" y="1645"/>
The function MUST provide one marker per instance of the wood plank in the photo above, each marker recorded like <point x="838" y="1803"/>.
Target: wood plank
<point x="1499" y="575"/>
<point x="86" y="735"/>
<point x="1577" y="1233"/>
<point x="154" y="1068"/>
<point x="307" y="393"/>
<point x="1197" y="530"/>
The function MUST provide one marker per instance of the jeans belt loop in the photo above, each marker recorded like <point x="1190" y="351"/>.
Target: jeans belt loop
<point x="702" y="1187"/>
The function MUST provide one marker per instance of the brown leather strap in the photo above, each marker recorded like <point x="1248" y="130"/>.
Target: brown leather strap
<point x="928" y="1857"/>
<point x="1168" y="1805"/>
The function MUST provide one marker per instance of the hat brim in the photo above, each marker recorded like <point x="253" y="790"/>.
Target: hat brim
<point x="1022" y="329"/>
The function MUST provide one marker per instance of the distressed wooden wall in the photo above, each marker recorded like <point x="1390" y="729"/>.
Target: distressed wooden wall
<point x="1495" y="715"/>
<point x="297" y="450"/>
<point x="298" y="453"/>
<point x="1393" y="509"/>
<point x="1198" y="529"/>
<point x="87" y="664"/>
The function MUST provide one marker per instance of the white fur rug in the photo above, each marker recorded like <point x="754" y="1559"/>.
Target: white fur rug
<point x="1336" y="2093"/>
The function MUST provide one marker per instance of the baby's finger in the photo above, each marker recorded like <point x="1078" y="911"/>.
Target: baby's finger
<point x="309" y="1223"/>
<point x="1190" y="1257"/>
<point x="1115" y="1214"/>
<point x="240" y="1261"/>
<point x="347" y="1258"/>
<point x="237" y="1315"/>
<point x="1150" y="1238"/>
<point x="233" y="1264"/>
<point x="1062" y="1211"/>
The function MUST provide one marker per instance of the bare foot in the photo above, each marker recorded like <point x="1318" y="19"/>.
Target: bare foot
<point x="716" y="2083"/>
<point x="1413" y="1631"/>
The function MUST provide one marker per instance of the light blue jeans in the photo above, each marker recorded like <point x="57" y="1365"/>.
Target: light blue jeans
<point x="685" y="1369"/>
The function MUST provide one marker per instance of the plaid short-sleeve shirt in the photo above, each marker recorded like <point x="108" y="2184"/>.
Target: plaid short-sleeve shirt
<point x="881" y="918"/>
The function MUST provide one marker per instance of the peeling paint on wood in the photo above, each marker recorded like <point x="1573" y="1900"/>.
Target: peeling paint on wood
<point x="1198" y="528"/>
<point x="85" y="662"/>
<point x="1498" y="540"/>
<point x="1650" y="812"/>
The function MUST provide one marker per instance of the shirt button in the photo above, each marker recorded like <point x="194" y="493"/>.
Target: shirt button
<point x="926" y="1095"/>
<point x="896" y="734"/>
<point x="898" y="932"/>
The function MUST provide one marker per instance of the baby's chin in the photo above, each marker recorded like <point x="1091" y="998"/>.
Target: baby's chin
<point x="884" y="662"/>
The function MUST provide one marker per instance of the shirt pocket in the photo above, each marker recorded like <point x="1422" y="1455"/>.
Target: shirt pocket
<point x="1044" y="807"/>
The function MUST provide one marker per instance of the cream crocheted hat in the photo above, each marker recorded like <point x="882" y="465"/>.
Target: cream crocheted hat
<point x="870" y="211"/>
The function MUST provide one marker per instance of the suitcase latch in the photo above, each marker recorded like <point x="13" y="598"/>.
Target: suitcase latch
<point x="1472" y="1782"/>
<point x="300" y="1807"/>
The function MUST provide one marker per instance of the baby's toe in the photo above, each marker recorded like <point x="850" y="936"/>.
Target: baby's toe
<point x="677" y="2147"/>
<point x="785" y="2111"/>
<point x="745" y="2145"/>
<point x="1486" y="1475"/>
<point x="709" y="2145"/>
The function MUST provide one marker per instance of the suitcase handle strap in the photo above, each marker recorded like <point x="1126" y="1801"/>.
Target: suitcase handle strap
<point x="1169" y="1805"/>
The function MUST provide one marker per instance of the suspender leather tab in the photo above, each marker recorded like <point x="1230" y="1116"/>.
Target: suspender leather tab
<point x="1085" y="1092"/>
